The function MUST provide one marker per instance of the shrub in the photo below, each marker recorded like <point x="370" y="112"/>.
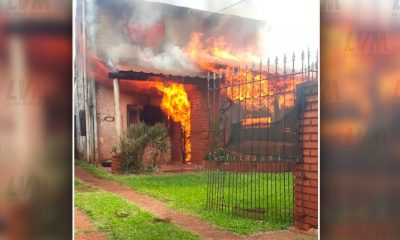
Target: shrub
<point x="136" y="140"/>
<point x="220" y="154"/>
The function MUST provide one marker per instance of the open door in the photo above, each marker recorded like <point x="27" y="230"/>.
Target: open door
<point x="176" y="134"/>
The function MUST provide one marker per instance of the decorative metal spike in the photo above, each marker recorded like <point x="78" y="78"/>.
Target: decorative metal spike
<point x="214" y="78"/>
<point x="302" y="64"/>
<point x="276" y="65"/>
<point x="268" y="64"/>
<point x="208" y="80"/>
<point x="284" y="64"/>
<point x="293" y="61"/>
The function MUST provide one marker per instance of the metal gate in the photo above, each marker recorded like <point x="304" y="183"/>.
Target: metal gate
<point x="254" y="138"/>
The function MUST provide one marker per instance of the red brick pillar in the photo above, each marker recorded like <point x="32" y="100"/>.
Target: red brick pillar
<point x="199" y="121"/>
<point x="306" y="178"/>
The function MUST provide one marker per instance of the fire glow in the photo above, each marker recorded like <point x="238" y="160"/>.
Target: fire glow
<point x="209" y="53"/>
<point x="175" y="104"/>
<point x="252" y="89"/>
<point x="250" y="86"/>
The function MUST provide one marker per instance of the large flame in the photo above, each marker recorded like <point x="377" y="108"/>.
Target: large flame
<point x="255" y="92"/>
<point x="210" y="53"/>
<point x="250" y="86"/>
<point x="175" y="104"/>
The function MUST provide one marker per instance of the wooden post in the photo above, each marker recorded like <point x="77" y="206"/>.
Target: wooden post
<point x="117" y="110"/>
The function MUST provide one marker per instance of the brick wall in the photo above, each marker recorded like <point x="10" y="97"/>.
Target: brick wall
<point x="199" y="120"/>
<point x="306" y="178"/>
<point x="249" y="166"/>
<point x="105" y="108"/>
<point x="197" y="95"/>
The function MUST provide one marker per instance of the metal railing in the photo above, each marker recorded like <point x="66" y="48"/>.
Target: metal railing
<point x="254" y="138"/>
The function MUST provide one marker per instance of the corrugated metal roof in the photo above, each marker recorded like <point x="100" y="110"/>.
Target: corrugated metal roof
<point x="140" y="75"/>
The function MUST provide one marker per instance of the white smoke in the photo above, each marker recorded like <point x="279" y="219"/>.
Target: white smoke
<point x="108" y="19"/>
<point x="107" y="40"/>
<point x="291" y="25"/>
<point x="172" y="60"/>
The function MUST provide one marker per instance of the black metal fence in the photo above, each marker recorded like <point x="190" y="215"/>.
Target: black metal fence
<point x="253" y="138"/>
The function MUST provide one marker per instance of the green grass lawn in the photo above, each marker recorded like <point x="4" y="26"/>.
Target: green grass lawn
<point x="187" y="192"/>
<point x="121" y="219"/>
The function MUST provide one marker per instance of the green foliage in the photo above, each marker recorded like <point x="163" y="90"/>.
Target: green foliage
<point x="219" y="154"/>
<point x="217" y="151"/>
<point x="136" y="140"/>
<point x="217" y="129"/>
<point x="120" y="219"/>
<point x="83" y="186"/>
<point x="187" y="192"/>
<point x="114" y="150"/>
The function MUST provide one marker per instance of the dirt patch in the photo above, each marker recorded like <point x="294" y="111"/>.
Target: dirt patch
<point x="84" y="228"/>
<point x="190" y="223"/>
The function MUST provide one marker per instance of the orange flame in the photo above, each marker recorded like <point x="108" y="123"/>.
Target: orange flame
<point x="175" y="104"/>
<point x="256" y="93"/>
<point x="206" y="54"/>
<point x="250" y="87"/>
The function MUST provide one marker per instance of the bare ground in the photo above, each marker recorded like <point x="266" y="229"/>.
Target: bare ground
<point x="84" y="228"/>
<point x="188" y="222"/>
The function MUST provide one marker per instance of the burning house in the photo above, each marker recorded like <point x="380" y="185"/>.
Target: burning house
<point x="199" y="73"/>
<point x="145" y="61"/>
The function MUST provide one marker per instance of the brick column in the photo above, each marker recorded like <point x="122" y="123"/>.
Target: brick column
<point x="306" y="178"/>
<point x="199" y="121"/>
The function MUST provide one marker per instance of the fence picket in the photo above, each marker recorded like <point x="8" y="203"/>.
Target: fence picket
<point x="251" y="167"/>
